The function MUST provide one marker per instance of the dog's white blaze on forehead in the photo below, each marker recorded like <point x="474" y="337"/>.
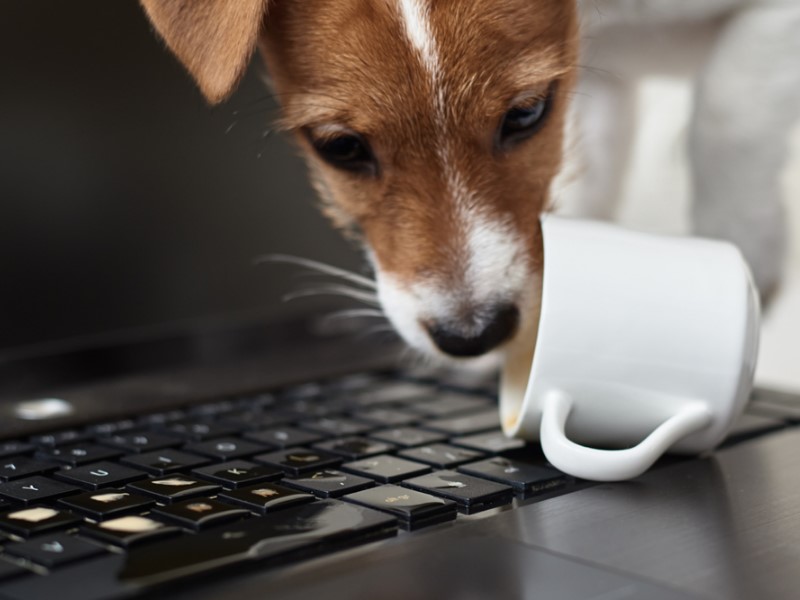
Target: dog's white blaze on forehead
<point x="418" y="29"/>
<point x="415" y="15"/>
<point x="456" y="185"/>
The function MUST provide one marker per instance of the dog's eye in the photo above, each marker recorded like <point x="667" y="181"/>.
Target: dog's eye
<point x="345" y="151"/>
<point x="522" y="121"/>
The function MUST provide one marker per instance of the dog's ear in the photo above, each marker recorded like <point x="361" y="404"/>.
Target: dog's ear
<point x="214" y="39"/>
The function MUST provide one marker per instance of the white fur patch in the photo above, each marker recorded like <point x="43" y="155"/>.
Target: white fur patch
<point x="417" y="25"/>
<point x="404" y="310"/>
<point x="415" y="15"/>
<point x="497" y="265"/>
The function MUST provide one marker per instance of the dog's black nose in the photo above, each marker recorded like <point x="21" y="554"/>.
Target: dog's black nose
<point x="500" y="326"/>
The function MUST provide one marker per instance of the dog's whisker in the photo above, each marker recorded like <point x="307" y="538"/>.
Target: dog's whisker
<point x="265" y="139"/>
<point x="376" y="330"/>
<point x="354" y="313"/>
<point x="319" y="267"/>
<point x="334" y="290"/>
<point x="411" y="358"/>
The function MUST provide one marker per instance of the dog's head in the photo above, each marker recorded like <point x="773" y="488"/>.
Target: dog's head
<point x="433" y="129"/>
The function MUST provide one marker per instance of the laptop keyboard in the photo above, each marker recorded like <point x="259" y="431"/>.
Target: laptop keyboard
<point x="270" y="478"/>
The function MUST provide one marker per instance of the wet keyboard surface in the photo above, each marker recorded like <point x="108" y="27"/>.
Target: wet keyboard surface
<point x="277" y="476"/>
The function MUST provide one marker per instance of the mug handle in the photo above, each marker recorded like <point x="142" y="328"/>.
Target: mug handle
<point x="611" y="465"/>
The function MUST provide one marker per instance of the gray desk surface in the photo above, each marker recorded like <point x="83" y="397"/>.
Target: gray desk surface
<point x="725" y="527"/>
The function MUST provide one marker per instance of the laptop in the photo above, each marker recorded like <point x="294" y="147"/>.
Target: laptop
<point x="170" y="428"/>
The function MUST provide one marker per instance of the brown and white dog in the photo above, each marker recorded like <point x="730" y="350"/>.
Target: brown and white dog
<point x="433" y="130"/>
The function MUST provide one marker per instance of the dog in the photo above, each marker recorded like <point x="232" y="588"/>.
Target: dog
<point x="434" y="132"/>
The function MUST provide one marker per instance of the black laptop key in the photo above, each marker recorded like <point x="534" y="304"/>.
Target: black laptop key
<point x="337" y="426"/>
<point x="225" y="448"/>
<point x="257" y="402"/>
<point x="200" y="429"/>
<point x="408" y="436"/>
<point x="104" y="504"/>
<point x="35" y="489"/>
<point x="523" y="477"/>
<point x="388" y="417"/>
<point x="354" y="448"/>
<point x="248" y="420"/>
<point x="141" y="441"/>
<point x="111" y="427"/>
<point x="472" y="494"/>
<point x="450" y="404"/>
<point x="295" y="461"/>
<point x="329" y="483"/>
<point x="162" y="462"/>
<point x="100" y="475"/>
<point x="9" y="570"/>
<point x="200" y="513"/>
<point x="302" y="531"/>
<point x="386" y="468"/>
<point x="306" y="408"/>
<point x="304" y="391"/>
<point x="265" y="497"/>
<point x="162" y="418"/>
<point x="395" y="392"/>
<point x="17" y="467"/>
<point x="355" y="382"/>
<point x="26" y="522"/>
<point x="466" y="424"/>
<point x="131" y="530"/>
<point x="413" y="509"/>
<point x="14" y="448"/>
<point x="283" y="437"/>
<point x="491" y="442"/>
<point x="78" y="454"/>
<point x="54" y="550"/>
<point x="60" y="438"/>
<point x="238" y="473"/>
<point x="173" y="488"/>
<point x="442" y="456"/>
<point x="211" y="409"/>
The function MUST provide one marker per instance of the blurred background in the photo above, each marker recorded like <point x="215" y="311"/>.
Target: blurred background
<point x="128" y="203"/>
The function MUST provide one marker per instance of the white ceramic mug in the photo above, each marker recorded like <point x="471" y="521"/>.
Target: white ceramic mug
<point x="645" y="343"/>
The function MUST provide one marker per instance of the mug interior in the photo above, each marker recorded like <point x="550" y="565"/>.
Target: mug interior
<point x="515" y="375"/>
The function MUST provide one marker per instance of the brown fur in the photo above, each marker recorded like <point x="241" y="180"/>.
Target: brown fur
<point x="349" y="62"/>
<point x="214" y="39"/>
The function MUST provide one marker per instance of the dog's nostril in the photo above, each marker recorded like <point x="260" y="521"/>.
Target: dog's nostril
<point x="498" y="328"/>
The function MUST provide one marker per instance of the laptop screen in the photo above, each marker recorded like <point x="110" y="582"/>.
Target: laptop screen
<point x="127" y="202"/>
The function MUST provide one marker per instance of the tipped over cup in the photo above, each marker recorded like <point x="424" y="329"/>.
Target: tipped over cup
<point x="645" y="344"/>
